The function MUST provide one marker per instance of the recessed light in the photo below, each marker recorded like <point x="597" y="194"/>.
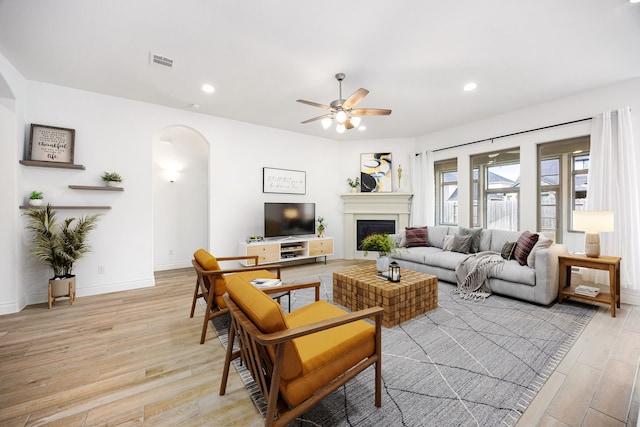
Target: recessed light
<point x="362" y="128"/>
<point x="207" y="88"/>
<point x="634" y="1"/>
<point x="470" y="86"/>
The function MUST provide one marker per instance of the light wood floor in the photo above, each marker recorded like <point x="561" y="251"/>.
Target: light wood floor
<point x="133" y="358"/>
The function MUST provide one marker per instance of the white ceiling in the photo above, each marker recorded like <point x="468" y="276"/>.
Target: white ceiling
<point x="413" y="56"/>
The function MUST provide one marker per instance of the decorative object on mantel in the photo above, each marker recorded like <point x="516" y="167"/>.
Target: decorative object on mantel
<point x="321" y="226"/>
<point x="354" y="184"/>
<point x="59" y="246"/>
<point x="51" y="144"/>
<point x="35" y="199"/>
<point x="111" y="178"/>
<point x="399" y="177"/>
<point x="375" y="172"/>
<point x="381" y="243"/>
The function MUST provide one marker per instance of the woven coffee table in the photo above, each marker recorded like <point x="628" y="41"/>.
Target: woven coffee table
<point x="358" y="287"/>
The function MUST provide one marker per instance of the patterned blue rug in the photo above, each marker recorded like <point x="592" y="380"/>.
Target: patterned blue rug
<point x="465" y="363"/>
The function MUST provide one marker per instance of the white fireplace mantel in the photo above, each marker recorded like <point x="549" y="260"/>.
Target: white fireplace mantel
<point x="372" y="206"/>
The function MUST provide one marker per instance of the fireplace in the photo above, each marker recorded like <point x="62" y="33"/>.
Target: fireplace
<point x="390" y="211"/>
<point x="367" y="227"/>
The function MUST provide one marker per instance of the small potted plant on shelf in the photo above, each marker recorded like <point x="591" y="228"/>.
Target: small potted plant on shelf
<point x="112" y="179"/>
<point x="321" y="226"/>
<point x="59" y="246"/>
<point x="353" y="183"/>
<point x="381" y="243"/>
<point x="35" y="199"/>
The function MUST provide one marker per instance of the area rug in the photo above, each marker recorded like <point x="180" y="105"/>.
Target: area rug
<point x="466" y="363"/>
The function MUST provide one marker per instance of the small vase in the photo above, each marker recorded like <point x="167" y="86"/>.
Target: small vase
<point x="354" y="190"/>
<point x="35" y="202"/>
<point x="112" y="184"/>
<point x="382" y="264"/>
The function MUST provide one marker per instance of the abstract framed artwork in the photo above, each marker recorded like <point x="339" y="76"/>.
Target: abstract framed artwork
<point x="375" y="172"/>
<point x="284" y="181"/>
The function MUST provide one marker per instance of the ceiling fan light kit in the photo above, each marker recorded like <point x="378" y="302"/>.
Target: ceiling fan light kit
<point x="342" y="112"/>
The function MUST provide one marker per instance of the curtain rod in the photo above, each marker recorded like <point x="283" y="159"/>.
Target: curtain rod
<point x="515" y="133"/>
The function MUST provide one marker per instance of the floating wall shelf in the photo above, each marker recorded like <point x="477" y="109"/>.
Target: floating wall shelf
<point x="69" y="207"/>
<point x="51" y="164"/>
<point x="95" y="187"/>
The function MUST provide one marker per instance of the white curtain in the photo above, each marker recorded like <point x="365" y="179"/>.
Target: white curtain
<point x="419" y="185"/>
<point x="613" y="185"/>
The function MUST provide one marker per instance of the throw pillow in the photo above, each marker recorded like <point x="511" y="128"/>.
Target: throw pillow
<point x="462" y="244"/>
<point x="416" y="236"/>
<point x="542" y="243"/>
<point x="507" y="250"/>
<point x="525" y="243"/>
<point x="447" y="243"/>
<point x="475" y="235"/>
<point x="400" y="239"/>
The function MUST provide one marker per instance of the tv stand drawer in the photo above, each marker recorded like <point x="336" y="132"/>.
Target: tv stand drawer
<point x="321" y="247"/>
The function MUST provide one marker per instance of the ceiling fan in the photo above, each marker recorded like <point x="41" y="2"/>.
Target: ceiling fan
<point x="342" y="111"/>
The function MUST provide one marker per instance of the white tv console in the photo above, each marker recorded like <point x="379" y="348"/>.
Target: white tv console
<point x="287" y="249"/>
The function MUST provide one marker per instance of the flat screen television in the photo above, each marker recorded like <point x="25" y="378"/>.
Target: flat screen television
<point x="289" y="219"/>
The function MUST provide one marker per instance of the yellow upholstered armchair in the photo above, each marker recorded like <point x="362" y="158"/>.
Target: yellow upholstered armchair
<point x="211" y="283"/>
<point x="299" y="358"/>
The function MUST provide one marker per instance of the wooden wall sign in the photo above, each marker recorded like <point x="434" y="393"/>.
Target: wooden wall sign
<point x="51" y="144"/>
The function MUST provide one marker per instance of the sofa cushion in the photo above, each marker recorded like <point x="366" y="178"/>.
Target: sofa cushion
<point x="416" y="236"/>
<point x="512" y="271"/>
<point x="462" y="244"/>
<point x="507" y="250"/>
<point x="542" y="243"/>
<point x="447" y="243"/>
<point x="475" y="237"/>
<point x="209" y="263"/>
<point x="525" y="243"/>
<point x="418" y="254"/>
<point x="436" y="235"/>
<point x="448" y="260"/>
<point x="399" y="239"/>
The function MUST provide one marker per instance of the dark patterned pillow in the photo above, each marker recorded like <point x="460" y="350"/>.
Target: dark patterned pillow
<point x="416" y="236"/>
<point x="507" y="250"/>
<point x="461" y="244"/>
<point x="475" y="235"/>
<point x="525" y="243"/>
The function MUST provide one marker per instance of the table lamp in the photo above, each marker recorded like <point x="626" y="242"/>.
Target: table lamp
<point x="592" y="223"/>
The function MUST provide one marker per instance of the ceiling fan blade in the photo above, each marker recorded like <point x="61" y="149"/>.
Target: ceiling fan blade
<point x="370" y="112"/>
<point x="313" y="104"/>
<point x="324" y="116"/>
<point x="348" y="124"/>
<point x="355" y="97"/>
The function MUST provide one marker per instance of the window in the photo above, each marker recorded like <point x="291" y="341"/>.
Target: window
<point x="562" y="173"/>
<point x="496" y="190"/>
<point x="447" y="192"/>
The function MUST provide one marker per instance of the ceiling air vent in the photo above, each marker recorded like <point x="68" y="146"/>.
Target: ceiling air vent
<point x="161" y="60"/>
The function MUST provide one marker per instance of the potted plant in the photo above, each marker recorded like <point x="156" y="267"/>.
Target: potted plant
<point x="59" y="246"/>
<point x="112" y="178"/>
<point x="35" y="199"/>
<point x="381" y="243"/>
<point x="353" y="183"/>
<point x="321" y="226"/>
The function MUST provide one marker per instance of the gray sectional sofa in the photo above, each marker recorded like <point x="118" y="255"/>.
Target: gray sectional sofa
<point x="538" y="284"/>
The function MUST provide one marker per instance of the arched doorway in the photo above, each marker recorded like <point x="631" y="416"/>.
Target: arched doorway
<point x="180" y="196"/>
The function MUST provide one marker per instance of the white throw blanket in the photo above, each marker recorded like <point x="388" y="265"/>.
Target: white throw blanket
<point x="473" y="272"/>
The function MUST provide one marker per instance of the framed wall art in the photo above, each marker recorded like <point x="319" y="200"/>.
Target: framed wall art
<point x="51" y="144"/>
<point x="375" y="172"/>
<point x="284" y="181"/>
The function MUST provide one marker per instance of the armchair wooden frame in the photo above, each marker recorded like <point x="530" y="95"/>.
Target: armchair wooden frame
<point x="205" y="285"/>
<point x="253" y="352"/>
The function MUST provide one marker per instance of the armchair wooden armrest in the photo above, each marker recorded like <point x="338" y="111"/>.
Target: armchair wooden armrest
<point x="289" y="334"/>
<point x="293" y="287"/>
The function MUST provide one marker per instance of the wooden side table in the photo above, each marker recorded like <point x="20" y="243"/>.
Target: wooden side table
<point x="608" y="263"/>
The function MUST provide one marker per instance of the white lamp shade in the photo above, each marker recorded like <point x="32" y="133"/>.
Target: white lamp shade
<point x="326" y="123"/>
<point x="355" y="121"/>
<point x="593" y="221"/>
<point x="341" y="117"/>
<point x="340" y="128"/>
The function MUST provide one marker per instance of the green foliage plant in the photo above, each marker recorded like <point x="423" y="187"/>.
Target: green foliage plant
<point x="353" y="183"/>
<point x="111" y="176"/>
<point x="321" y="225"/>
<point x="59" y="245"/>
<point x="35" y="195"/>
<point x="381" y="243"/>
